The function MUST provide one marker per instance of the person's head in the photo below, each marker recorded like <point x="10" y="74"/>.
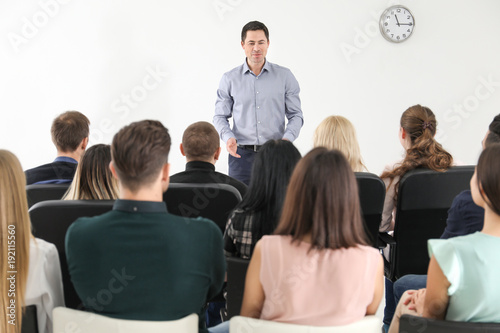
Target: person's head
<point x="271" y="172"/>
<point x="70" y="132"/>
<point x="493" y="133"/>
<point x="255" y="41"/>
<point x="15" y="229"/>
<point x="93" y="179"/>
<point x="323" y="204"/>
<point x="200" y="142"/>
<point x="418" y="124"/>
<point x="485" y="184"/>
<point x="337" y="132"/>
<point x="139" y="155"/>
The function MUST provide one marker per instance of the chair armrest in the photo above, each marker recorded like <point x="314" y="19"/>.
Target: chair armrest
<point x="389" y="264"/>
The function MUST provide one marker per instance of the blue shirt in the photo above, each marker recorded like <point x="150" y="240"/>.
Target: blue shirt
<point x="258" y="105"/>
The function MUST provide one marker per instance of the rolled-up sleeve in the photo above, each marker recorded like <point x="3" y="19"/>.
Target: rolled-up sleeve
<point x="223" y="109"/>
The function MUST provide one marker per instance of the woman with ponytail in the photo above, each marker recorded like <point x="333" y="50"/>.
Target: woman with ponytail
<point x="418" y="128"/>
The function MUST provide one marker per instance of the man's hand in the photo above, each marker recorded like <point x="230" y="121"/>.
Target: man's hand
<point x="231" y="147"/>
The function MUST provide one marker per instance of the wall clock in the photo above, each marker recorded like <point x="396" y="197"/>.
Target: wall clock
<point x="397" y="24"/>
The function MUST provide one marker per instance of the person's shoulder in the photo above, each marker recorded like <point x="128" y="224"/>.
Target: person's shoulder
<point x="235" y="71"/>
<point x="88" y="224"/>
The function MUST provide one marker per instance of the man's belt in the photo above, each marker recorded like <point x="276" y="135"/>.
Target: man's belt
<point x="255" y="148"/>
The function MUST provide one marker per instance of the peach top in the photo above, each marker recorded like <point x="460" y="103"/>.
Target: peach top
<point x="320" y="288"/>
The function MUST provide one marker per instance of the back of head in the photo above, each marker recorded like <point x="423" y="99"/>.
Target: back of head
<point x="494" y="132"/>
<point x="337" y="132"/>
<point x="68" y="130"/>
<point x="253" y="26"/>
<point x="16" y="233"/>
<point x="488" y="176"/>
<point x="200" y="141"/>
<point x="139" y="151"/>
<point x="271" y="173"/>
<point x="93" y="179"/>
<point x="322" y="200"/>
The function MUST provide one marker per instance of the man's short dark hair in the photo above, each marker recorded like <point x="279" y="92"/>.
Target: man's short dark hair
<point x="254" y="26"/>
<point x="494" y="135"/>
<point x="200" y="141"/>
<point x="68" y="130"/>
<point x="139" y="151"/>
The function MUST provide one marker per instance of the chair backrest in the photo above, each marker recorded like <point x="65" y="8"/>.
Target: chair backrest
<point x="42" y="192"/>
<point x="413" y="324"/>
<point x="212" y="201"/>
<point x="369" y="324"/>
<point x="371" y="196"/>
<point x="236" y="274"/>
<point x="79" y="321"/>
<point x="50" y="221"/>
<point x="30" y="320"/>
<point x="424" y="197"/>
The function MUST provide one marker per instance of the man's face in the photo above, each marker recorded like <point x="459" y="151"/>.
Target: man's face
<point x="255" y="46"/>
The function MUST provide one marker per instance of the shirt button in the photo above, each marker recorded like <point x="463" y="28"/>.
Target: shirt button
<point x="260" y="136"/>
<point x="257" y="92"/>
<point x="258" y="107"/>
<point x="258" y="122"/>
<point x="135" y="209"/>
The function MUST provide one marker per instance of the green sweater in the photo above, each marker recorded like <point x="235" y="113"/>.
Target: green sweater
<point x="140" y="262"/>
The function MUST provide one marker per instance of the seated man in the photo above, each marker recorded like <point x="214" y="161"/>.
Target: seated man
<point x="201" y="146"/>
<point x="70" y="134"/>
<point x="138" y="261"/>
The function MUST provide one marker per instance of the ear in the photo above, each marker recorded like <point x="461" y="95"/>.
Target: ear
<point x="84" y="143"/>
<point x="165" y="176"/>
<point x="113" y="170"/>
<point x="403" y="133"/>
<point x="181" y="147"/>
<point x="217" y="154"/>
<point x="243" y="45"/>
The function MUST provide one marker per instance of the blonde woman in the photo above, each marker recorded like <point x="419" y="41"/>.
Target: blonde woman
<point x="93" y="179"/>
<point x="30" y="270"/>
<point x="337" y="132"/>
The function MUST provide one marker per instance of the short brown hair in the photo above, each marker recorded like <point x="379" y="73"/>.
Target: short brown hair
<point x="200" y="141"/>
<point x="322" y="199"/>
<point x="139" y="151"/>
<point x="69" y="129"/>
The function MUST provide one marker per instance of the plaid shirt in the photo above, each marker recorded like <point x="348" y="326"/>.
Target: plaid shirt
<point x="238" y="235"/>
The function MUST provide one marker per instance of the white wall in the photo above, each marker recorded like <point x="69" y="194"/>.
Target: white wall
<point x="90" y="55"/>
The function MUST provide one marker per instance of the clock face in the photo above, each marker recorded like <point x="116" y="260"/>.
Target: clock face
<point x="397" y="24"/>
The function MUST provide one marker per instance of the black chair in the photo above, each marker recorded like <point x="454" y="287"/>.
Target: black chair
<point x="30" y="320"/>
<point x="413" y="324"/>
<point x="211" y="201"/>
<point x="50" y="221"/>
<point x="236" y="274"/>
<point x="424" y="197"/>
<point x="43" y="192"/>
<point x="371" y="196"/>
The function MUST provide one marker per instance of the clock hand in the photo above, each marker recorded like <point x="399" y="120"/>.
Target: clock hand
<point x="397" y="20"/>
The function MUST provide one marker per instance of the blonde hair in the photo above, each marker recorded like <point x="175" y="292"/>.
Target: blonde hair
<point x="337" y="132"/>
<point x="93" y="179"/>
<point x="16" y="231"/>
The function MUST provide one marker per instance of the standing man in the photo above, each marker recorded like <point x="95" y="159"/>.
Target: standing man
<point x="258" y="95"/>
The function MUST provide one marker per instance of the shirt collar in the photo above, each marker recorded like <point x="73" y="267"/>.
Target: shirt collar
<point x="247" y="69"/>
<point x="65" y="159"/>
<point x="199" y="165"/>
<point x="134" y="206"/>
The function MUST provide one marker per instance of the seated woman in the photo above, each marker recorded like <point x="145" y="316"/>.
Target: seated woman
<point x="462" y="280"/>
<point x="416" y="134"/>
<point x="93" y="179"/>
<point x="317" y="269"/>
<point x="259" y="211"/>
<point x="37" y="276"/>
<point x="337" y="132"/>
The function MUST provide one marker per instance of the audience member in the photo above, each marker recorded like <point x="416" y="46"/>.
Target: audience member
<point x="259" y="211"/>
<point x="464" y="218"/>
<point x="201" y="146"/>
<point x="416" y="134"/>
<point x="30" y="268"/>
<point x="156" y="266"/>
<point x="318" y="268"/>
<point x="458" y="294"/>
<point x="337" y="132"/>
<point x="93" y="179"/>
<point x="70" y="135"/>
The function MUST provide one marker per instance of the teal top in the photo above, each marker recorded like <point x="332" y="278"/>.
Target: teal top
<point x="472" y="266"/>
<point x="140" y="262"/>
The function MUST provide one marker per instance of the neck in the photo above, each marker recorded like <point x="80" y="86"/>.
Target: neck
<point x="212" y="161"/>
<point x="74" y="155"/>
<point x="491" y="222"/>
<point x="256" y="68"/>
<point x="143" y="194"/>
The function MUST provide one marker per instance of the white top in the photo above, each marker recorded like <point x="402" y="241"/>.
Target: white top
<point x="44" y="287"/>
